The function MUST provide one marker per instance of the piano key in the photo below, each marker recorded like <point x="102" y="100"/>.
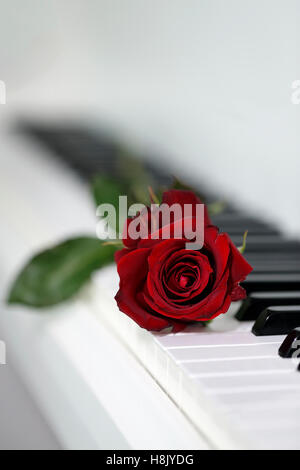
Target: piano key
<point x="262" y="351"/>
<point x="277" y="264"/>
<point x="237" y="219"/>
<point x="272" y="257"/>
<point x="291" y="344"/>
<point x="298" y="367"/>
<point x="271" y="282"/>
<point x="259" y="398"/>
<point x="211" y="340"/>
<point x="250" y="366"/>
<point x="239" y="232"/>
<point x="257" y="243"/>
<point x="239" y="224"/>
<point x="277" y="320"/>
<point x="272" y="380"/>
<point x="271" y="401"/>
<point x="256" y="302"/>
<point x="234" y="231"/>
<point x="87" y="152"/>
<point x="269" y="419"/>
<point x="276" y="268"/>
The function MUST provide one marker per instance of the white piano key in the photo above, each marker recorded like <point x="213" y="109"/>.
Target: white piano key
<point x="220" y="353"/>
<point x="265" y="401"/>
<point x="283" y="423"/>
<point x="258" y="397"/>
<point x="215" y="339"/>
<point x="237" y="384"/>
<point x="269" y="418"/>
<point x="239" y="367"/>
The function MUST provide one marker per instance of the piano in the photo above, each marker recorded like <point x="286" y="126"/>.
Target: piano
<point x="103" y="382"/>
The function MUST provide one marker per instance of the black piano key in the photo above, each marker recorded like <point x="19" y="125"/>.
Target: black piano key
<point x="239" y="231"/>
<point x="298" y="367"/>
<point x="89" y="153"/>
<point x="262" y="282"/>
<point x="272" y="256"/>
<point x="242" y="223"/>
<point x="238" y="223"/>
<point x="256" y="302"/>
<point x="277" y="321"/>
<point x="291" y="345"/>
<point x="236" y="219"/>
<point x="276" y="268"/>
<point x="257" y="243"/>
<point x="270" y="263"/>
<point x="84" y="152"/>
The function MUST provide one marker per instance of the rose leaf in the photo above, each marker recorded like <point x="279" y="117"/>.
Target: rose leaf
<point x="57" y="274"/>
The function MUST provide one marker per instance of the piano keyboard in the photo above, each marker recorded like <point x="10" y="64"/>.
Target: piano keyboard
<point x="232" y="385"/>
<point x="227" y="378"/>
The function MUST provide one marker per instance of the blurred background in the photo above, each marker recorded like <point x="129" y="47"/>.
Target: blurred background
<point x="202" y="88"/>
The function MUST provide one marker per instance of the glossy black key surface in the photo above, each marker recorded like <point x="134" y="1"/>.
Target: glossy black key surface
<point x="274" y="243"/>
<point x="236" y="218"/>
<point x="273" y="256"/>
<point x="291" y="345"/>
<point x="262" y="282"/>
<point x="239" y="231"/>
<point x="256" y="302"/>
<point x="276" y="268"/>
<point x="277" y="321"/>
<point x="87" y="152"/>
<point x="275" y="265"/>
<point x="240" y="224"/>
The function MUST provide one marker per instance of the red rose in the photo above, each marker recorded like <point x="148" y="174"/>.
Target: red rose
<point x="163" y="284"/>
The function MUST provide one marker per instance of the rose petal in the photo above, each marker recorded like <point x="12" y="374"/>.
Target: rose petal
<point x="132" y="270"/>
<point x="238" y="293"/>
<point x="182" y="197"/>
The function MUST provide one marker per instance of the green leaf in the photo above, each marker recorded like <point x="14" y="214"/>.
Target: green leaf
<point x="132" y="180"/>
<point x="107" y="191"/>
<point x="135" y="176"/>
<point x="133" y="183"/>
<point x="57" y="274"/>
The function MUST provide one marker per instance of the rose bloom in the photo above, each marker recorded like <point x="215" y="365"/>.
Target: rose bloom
<point x="163" y="284"/>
